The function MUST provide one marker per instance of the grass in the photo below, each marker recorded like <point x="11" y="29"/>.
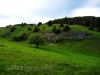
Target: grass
<point x="67" y="58"/>
<point x="21" y="54"/>
<point x="82" y="28"/>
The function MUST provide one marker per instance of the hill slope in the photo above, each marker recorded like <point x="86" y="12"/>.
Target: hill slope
<point x="70" y="57"/>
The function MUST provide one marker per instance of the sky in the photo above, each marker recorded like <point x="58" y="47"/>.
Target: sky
<point x="34" y="11"/>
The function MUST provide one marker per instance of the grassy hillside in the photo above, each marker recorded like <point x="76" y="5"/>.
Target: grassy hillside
<point x="66" y="58"/>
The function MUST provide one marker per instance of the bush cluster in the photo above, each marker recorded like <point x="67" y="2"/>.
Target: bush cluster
<point x="66" y="28"/>
<point x="22" y="37"/>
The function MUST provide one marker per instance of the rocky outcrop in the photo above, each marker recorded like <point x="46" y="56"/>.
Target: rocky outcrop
<point x="78" y="35"/>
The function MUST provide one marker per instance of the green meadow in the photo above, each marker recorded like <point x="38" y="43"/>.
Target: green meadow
<point x="71" y="57"/>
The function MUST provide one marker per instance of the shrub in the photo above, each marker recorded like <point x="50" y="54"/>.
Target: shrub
<point x="8" y="26"/>
<point x="66" y="28"/>
<point x="61" y="25"/>
<point x="40" y="23"/>
<point x="5" y="34"/>
<point x="29" y="28"/>
<point x="16" y="38"/>
<point x="57" y="31"/>
<point x="91" y="28"/>
<point x="36" y="29"/>
<point x="37" y="40"/>
<point x="60" y="39"/>
<point x="12" y="29"/>
<point x="23" y="24"/>
<point x="54" y="29"/>
<point x="31" y="24"/>
<point x="43" y="28"/>
<point x="22" y="37"/>
<point x="50" y="23"/>
<point x="98" y="29"/>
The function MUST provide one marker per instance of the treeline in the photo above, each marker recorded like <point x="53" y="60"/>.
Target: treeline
<point x="90" y="21"/>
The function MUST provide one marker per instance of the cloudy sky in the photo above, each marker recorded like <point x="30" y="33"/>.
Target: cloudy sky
<point x="33" y="11"/>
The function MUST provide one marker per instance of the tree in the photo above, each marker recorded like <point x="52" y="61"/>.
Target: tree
<point x="40" y="23"/>
<point x="50" y="23"/>
<point x="66" y="28"/>
<point x="30" y="24"/>
<point x="8" y="26"/>
<point x="36" y="29"/>
<point x="98" y="29"/>
<point x="91" y="28"/>
<point x="61" y="25"/>
<point x="29" y="28"/>
<point x="22" y="37"/>
<point x="54" y="29"/>
<point x="12" y="29"/>
<point x="23" y="24"/>
<point x="57" y="31"/>
<point x="37" y="40"/>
